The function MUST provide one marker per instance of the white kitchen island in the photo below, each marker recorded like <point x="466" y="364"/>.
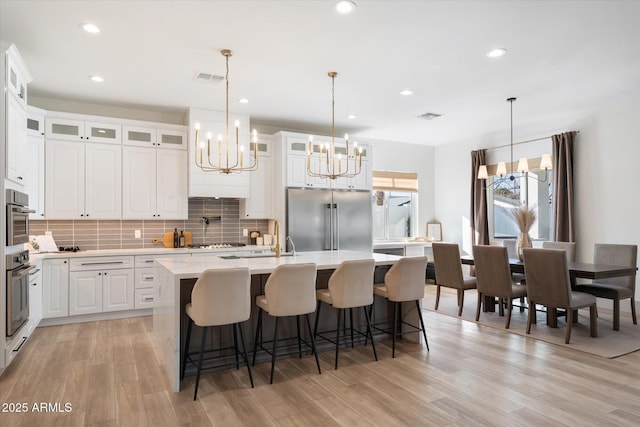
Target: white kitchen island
<point x="174" y="274"/>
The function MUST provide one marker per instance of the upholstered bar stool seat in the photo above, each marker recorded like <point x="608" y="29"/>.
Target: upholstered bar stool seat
<point x="404" y="282"/>
<point x="350" y="286"/>
<point x="289" y="291"/>
<point x="219" y="298"/>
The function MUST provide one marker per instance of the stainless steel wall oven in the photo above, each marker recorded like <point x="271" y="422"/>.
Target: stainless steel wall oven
<point x="18" y="270"/>
<point x="17" y="217"/>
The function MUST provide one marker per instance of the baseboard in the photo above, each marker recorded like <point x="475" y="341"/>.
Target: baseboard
<point x="95" y="317"/>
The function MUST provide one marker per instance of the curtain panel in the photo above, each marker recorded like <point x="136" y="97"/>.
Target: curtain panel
<point x="563" y="193"/>
<point x="479" y="217"/>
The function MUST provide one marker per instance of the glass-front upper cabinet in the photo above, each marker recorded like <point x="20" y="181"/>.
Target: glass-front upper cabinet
<point x="174" y="139"/>
<point x="102" y="132"/>
<point x="140" y="136"/>
<point x="79" y="130"/>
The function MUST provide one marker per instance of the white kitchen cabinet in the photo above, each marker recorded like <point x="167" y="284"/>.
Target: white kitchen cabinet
<point x="139" y="135"/>
<point x="154" y="183"/>
<point x="85" y="292"/>
<point x="35" y="121"/>
<point x="35" y="295"/>
<point x="172" y="139"/>
<point x="82" y="180"/>
<point x="34" y="182"/>
<point x="145" y="278"/>
<point x="16" y="139"/>
<point x="259" y="204"/>
<point x="55" y="288"/>
<point x="17" y="75"/>
<point x="76" y="129"/>
<point x="362" y="181"/>
<point x="118" y="290"/>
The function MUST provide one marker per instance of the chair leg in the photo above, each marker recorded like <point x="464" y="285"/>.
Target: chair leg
<point x="567" y="335"/>
<point x="461" y="305"/>
<point x="437" y="296"/>
<point x="185" y="355"/>
<point x="315" y="327"/>
<point x="273" y="353"/>
<point x="351" y="324"/>
<point x="202" y="344"/>
<point x="235" y="344"/>
<point x="338" y="337"/>
<point x="246" y="356"/>
<point x="500" y="307"/>
<point x="370" y="320"/>
<point x="530" y="314"/>
<point x="593" y="320"/>
<point x="509" y="310"/>
<point x="299" y="341"/>
<point x="424" y="331"/>
<point x="521" y="304"/>
<point x="313" y="343"/>
<point x="395" y="329"/>
<point x="616" y="314"/>
<point x="258" y="332"/>
<point x="479" y="306"/>
<point x="370" y="332"/>
<point x="633" y="311"/>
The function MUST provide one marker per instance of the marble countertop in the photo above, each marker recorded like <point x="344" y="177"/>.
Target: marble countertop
<point x="143" y="251"/>
<point x="383" y="244"/>
<point x="192" y="267"/>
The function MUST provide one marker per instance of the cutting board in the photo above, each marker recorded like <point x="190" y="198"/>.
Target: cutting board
<point x="167" y="239"/>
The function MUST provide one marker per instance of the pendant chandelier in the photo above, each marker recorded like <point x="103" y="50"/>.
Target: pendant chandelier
<point x="230" y="159"/>
<point x="329" y="163"/>
<point x="523" y="163"/>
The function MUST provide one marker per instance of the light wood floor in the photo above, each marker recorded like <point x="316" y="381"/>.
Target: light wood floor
<point x="474" y="375"/>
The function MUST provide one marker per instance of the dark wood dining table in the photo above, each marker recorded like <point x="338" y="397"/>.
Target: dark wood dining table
<point x="577" y="270"/>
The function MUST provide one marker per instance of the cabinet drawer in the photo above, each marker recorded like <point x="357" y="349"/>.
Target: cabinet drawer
<point x="149" y="260"/>
<point x="144" y="298"/>
<point x="100" y="263"/>
<point x="145" y="277"/>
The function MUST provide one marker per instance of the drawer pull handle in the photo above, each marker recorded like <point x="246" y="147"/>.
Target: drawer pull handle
<point x="101" y="263"/>
<point x="148" y="299"/>
<point x="148" y="277"/>
<point x="148" y="261"/>
<point x="20" y="345"/>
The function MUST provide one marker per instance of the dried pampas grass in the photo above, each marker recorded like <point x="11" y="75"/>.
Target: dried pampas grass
<point x="524" y="217"/>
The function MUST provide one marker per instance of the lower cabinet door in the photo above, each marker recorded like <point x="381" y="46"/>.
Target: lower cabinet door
<point x="85" y="292"/>
<point x="118" y="290"/>
<point x="144" y="298"/>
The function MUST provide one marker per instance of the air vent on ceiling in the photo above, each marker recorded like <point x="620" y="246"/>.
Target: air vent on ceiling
<point x="207" y="78"/>
<point x="429" y="116"/>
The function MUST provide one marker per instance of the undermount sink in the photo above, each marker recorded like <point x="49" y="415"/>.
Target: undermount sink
<point x="266" y="255"/>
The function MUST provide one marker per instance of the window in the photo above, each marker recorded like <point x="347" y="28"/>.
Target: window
<point x="508" y="195"/>
<point x="394" y="204"/>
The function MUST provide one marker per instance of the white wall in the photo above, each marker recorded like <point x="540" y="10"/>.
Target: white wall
<point x="606" y="179"/>
<point x="399" y="156"/>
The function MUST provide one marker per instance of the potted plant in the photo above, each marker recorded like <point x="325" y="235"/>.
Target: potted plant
<point x="524" y="218"/>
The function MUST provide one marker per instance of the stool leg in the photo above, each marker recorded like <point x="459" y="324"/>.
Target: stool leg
<point x="313" y="343"/>
<point x="315" y="327"/>
<point x="202" y="344"/>
<point x="395" y="329"/>
<point x="424" y="331"/>
<point x="273" y="355"/>
<point x="338" y="337"/>
<point x="370" y="320"/>
<point x="246" y="356"/>
<point x="258" y="331"/>
<point x="370" y="332"/>
<point x="299" y="342"/>
<point x="235" y="344"/>
<point x="186" y="348"/>
<point x="351" y="324"/>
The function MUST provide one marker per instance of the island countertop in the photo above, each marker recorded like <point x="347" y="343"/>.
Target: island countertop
<point x="185" y="268"/>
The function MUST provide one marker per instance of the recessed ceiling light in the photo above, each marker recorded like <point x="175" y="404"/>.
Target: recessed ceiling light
<point x="345" y="7"/>
<point x="406" y="92"/>
<point x="496" y="53"/>
<point x="351" y="116"/>
<point x="243" y="101"/>
<point x="90" y="28"/>
<point x="96" y="79"/>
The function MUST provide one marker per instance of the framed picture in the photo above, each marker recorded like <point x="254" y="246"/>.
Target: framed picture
<point x="434" y="230"/>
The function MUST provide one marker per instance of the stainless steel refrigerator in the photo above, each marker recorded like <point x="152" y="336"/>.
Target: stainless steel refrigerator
<point x="329" y="219"/>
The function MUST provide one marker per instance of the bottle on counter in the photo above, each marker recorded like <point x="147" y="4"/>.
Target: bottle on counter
<point x="181" y="239"/>
<point x="176" y="239"/>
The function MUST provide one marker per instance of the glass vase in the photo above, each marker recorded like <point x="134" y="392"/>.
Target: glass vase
<point x="524" y="241"/>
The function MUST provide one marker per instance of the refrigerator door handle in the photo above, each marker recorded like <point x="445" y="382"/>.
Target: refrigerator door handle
<point x="337" y="229"/>
<point x="329" y="235"/>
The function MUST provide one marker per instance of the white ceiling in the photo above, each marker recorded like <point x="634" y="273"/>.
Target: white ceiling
<point x="562" y="56"/>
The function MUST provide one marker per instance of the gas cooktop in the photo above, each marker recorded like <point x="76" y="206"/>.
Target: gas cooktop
<point x="216" y="245"/>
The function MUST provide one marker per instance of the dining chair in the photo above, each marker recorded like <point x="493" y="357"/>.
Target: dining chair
<point x="493" y="278"/>
<point x="615" y="288"/>
<point x="446" y="257"/>
<point x="548" y="283"/>
<point x="568" y="247"/>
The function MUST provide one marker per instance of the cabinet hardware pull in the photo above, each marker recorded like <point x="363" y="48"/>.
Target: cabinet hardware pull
<point x="147" y="299"/>
<point x="101" y="263"/>
<point x="148" y="261"/>
<point x="148" y="277"/>
<point x="20" y="345"/>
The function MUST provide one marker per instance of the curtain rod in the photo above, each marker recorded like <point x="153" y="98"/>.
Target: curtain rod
<point x="523" y="142"/>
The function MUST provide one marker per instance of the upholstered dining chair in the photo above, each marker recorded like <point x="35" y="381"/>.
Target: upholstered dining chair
<point x="446" y="257"/>
<point x="615" y="288"/>
<point x="568" y="247"/>
<point x="493" y="278"/>
<point x="548" y="283"/>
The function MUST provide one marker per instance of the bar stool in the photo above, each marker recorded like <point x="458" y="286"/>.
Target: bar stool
<point x="405" y="281"/>
<point x="350" y="286"/>
<point x="289" y="291"/>
<point x="219" y="298"/>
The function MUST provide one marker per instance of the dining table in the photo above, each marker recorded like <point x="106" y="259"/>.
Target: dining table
<point x="577" y="270"/>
